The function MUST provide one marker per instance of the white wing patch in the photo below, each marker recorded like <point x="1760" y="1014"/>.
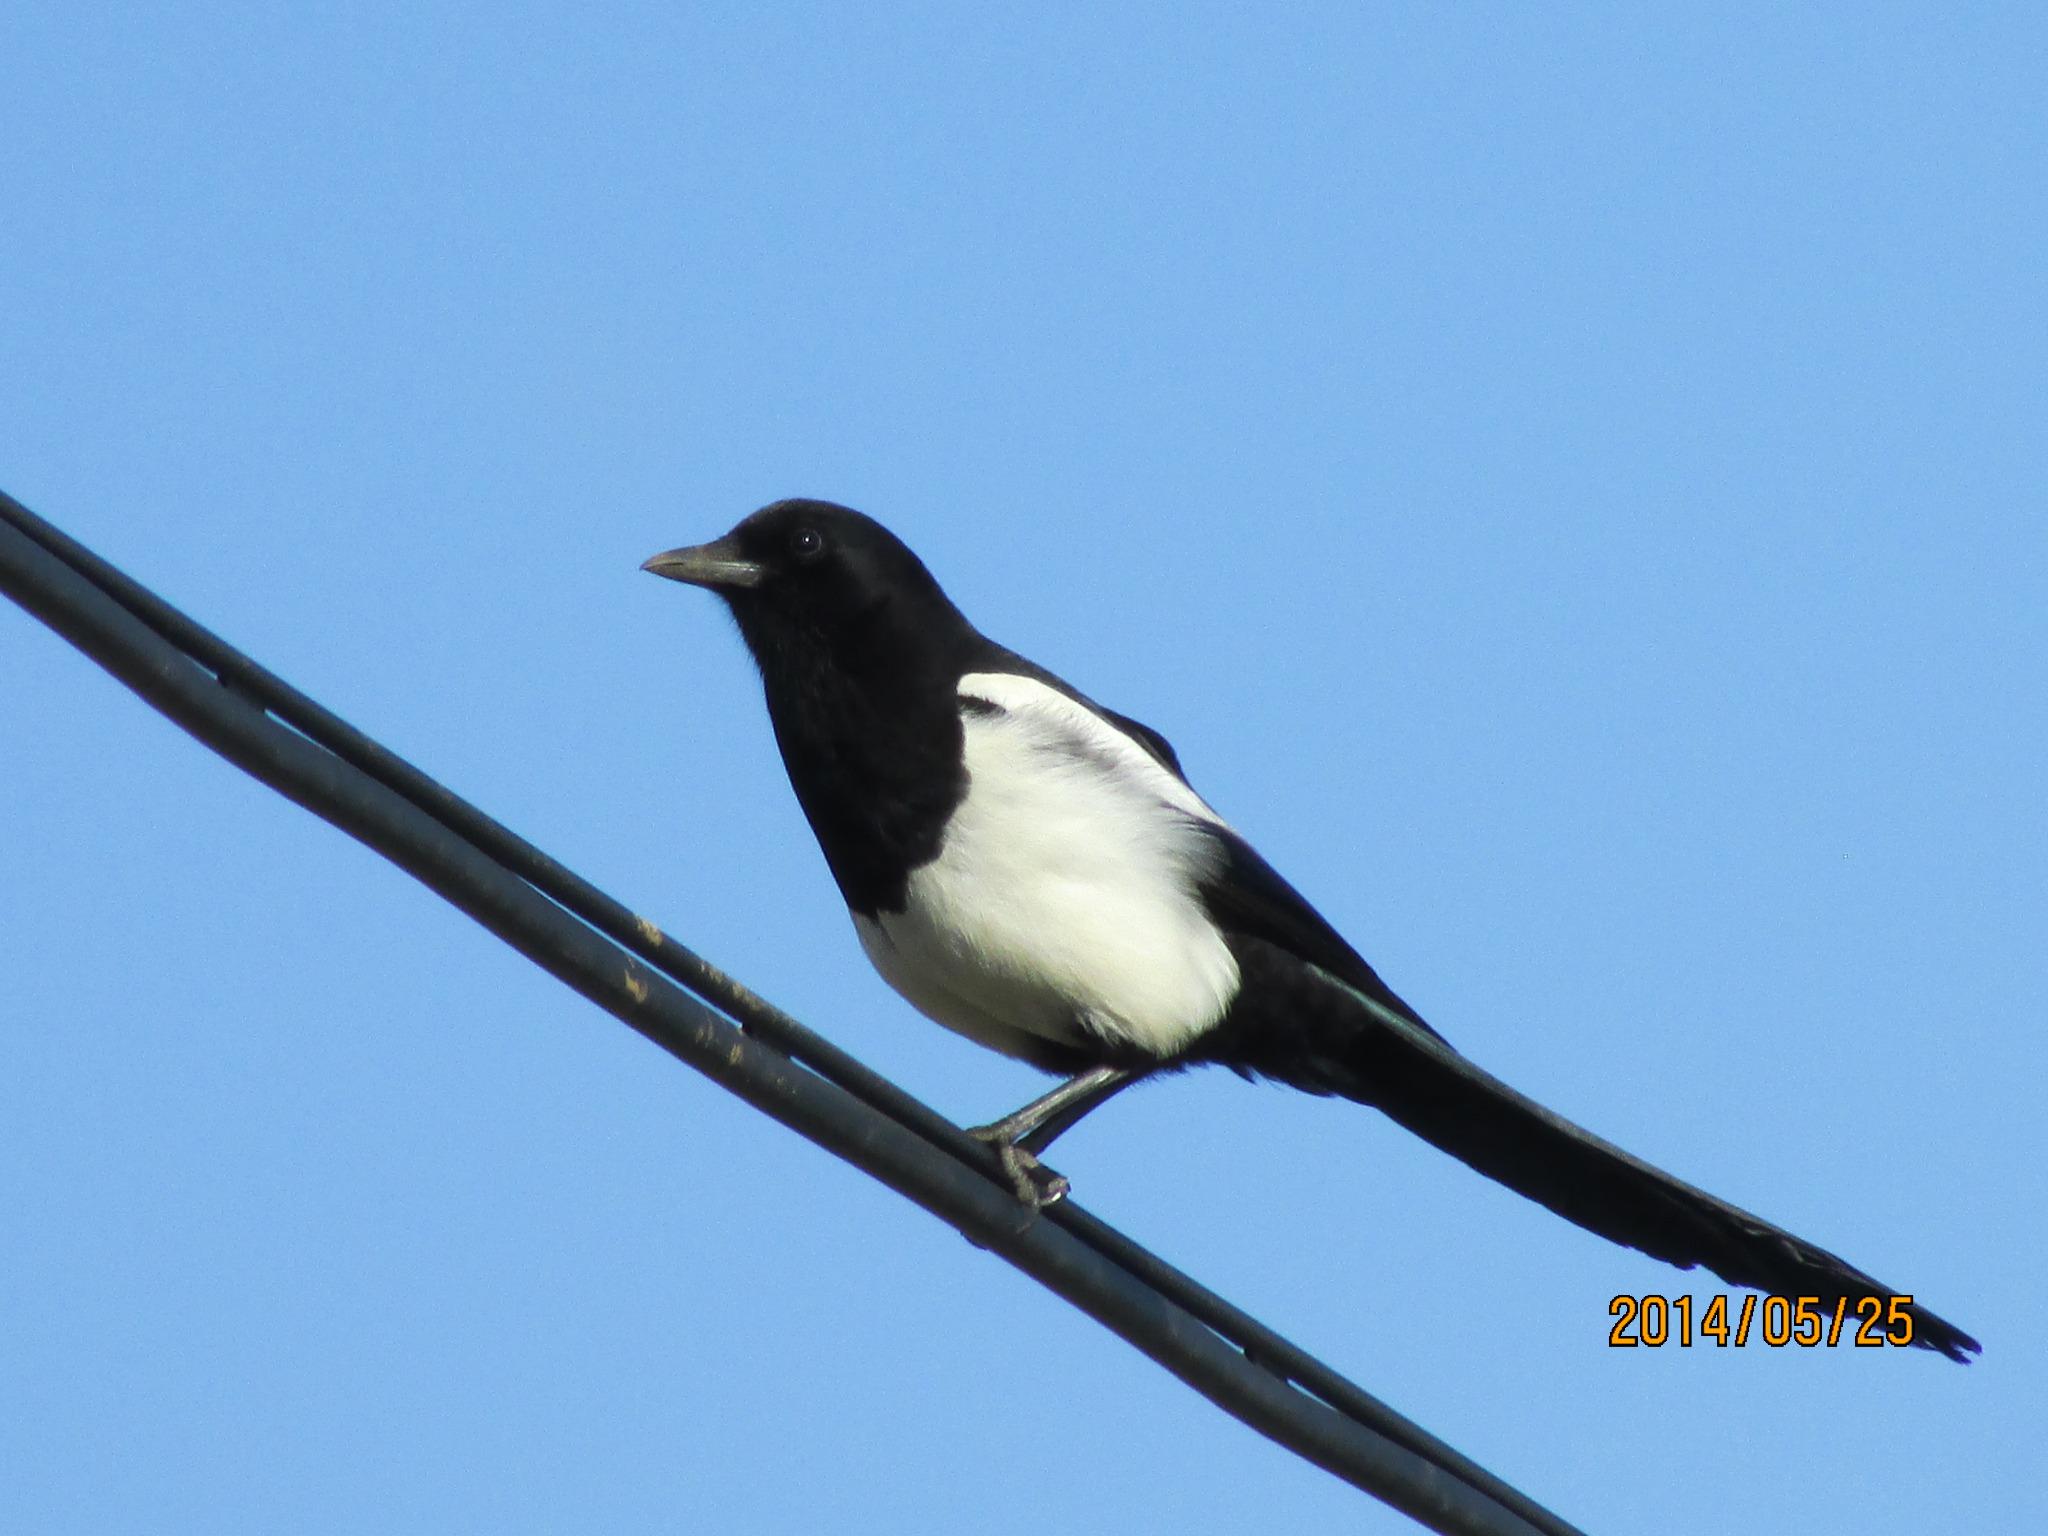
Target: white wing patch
<point x="1065" y="888"/>
<point x="1053" y="712"/>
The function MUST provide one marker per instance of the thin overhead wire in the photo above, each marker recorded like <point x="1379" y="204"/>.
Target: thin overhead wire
<point x="627" y="966"/>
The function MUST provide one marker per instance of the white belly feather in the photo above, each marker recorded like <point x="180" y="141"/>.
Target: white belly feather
<point x="1065" y="888"/>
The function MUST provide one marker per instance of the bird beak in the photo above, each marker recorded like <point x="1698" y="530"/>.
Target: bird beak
<point x="715" y="565"/>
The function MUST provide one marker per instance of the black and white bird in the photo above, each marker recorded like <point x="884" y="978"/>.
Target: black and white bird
<point x="1035" y="871"/>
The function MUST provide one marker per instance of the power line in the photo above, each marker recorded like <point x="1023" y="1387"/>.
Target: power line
<point x="627" y="966"/>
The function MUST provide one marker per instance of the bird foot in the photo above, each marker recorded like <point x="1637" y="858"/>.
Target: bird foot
<point x="1035" y="1184"/>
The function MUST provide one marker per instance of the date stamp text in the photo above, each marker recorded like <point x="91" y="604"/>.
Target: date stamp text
<point x="1868" y="1322"/>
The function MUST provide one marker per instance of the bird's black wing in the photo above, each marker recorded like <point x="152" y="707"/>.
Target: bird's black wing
<point x="1246" y="895"/>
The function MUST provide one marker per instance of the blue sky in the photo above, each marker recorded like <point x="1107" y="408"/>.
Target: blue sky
<point x="1569" y="481"/>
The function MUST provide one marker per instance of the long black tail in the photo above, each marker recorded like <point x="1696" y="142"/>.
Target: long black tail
<point x="1311" y="1032"/>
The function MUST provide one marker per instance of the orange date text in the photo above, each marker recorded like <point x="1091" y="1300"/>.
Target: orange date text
<point x="1866" y="1322"/>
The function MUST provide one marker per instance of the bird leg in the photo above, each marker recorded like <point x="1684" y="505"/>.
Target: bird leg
<point x="1018" y="1138"/>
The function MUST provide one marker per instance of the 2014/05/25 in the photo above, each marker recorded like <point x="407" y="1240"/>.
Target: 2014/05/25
<point x="1875" y="1321"/>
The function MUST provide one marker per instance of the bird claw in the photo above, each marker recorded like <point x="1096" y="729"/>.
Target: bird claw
<point x="1033" y="1183"/>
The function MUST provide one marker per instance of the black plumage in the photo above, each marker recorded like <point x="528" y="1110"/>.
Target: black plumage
<point x="1034" y="871"/>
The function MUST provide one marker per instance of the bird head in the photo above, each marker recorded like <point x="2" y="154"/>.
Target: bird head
<point x="809" y="578"/>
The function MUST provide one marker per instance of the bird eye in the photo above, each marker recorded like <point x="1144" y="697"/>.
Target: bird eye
<point x="807" y="543"/>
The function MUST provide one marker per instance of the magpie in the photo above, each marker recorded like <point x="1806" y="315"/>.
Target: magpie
<point x="1034" y="871"/>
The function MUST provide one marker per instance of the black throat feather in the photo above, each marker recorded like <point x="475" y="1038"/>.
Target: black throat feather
<point x="867" y="719"/>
